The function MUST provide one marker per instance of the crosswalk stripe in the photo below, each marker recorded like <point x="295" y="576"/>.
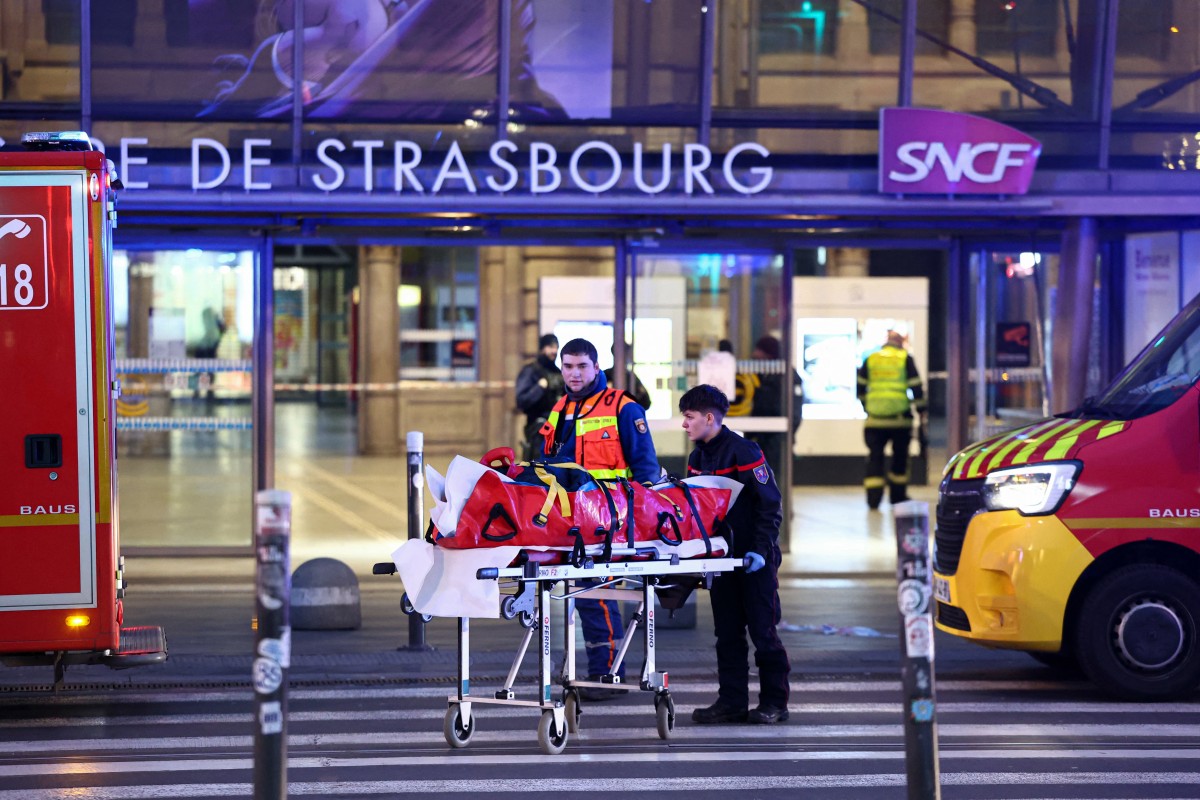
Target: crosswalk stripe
<point x="1056" y="730"/>
<point x="616" y="784"/>
<point x="466" y="760"/>
<point x="591" y="711"/>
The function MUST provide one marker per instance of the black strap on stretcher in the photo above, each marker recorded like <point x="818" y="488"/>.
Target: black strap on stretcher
<point x="687" y="494"/>
<point x="498" y="512"/>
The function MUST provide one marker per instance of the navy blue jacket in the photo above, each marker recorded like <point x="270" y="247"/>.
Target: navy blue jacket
<point x="756" y="515"/>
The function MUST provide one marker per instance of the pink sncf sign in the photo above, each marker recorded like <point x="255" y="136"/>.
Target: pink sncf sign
<point x="922" y="151"/>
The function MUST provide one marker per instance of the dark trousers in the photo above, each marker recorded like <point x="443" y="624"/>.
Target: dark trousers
<point x="896" y="478"/>
<point x="602" y="634"/>
<point x="533" y="443"/>
<point x="744" y="603"/>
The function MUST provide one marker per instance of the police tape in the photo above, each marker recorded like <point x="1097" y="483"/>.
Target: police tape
<point x="183" y="424"/>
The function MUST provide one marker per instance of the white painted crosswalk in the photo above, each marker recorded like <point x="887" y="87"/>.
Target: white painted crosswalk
<point x="845" y="739"/>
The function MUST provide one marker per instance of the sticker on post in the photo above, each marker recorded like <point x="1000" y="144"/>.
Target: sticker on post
<point x="276" y="649"/>
<point x="268" y="675"/>
<point x="270" y="718"/>
<point x="918" y="636"/>
<point x="912" y="597"/>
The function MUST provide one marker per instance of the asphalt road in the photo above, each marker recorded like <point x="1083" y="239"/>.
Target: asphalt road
<point x="366" y="718"/>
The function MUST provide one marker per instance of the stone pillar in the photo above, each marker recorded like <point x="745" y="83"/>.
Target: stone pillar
<point x="1073" y="315"/>
<point x="962" y="24"/>
<point x="853" y="36"/>
<point x="379" y="350"/>
<point x="849" y="262"/>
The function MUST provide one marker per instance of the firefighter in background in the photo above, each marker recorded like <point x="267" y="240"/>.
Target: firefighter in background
<point x="890" y="389"/>
<point x="745" y="384"/>
<point x="539" y="386"/>
<point x="604" y="431"/>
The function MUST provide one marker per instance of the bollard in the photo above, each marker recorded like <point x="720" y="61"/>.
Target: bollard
<point x="273" y="642"/>
<point x="415" y="441"/>
<point x="914" y="597"/>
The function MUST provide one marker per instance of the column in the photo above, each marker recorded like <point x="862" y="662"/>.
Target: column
<point x="849" y="262"/>
<point x="853" y="36"/>
<point x="379" y="350"/>
<point x="962" y="24"/>
<point x="1073" y="315"/>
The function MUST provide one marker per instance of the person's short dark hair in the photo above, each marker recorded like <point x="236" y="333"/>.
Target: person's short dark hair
<point x="547" y="340"/>
<point x="725" y="346"/>
<point x="580" y="347"/>
<point x="769" y="345"/>
<point x="704" y="399"/>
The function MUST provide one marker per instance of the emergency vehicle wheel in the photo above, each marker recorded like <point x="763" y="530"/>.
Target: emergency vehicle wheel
<point x="1138" y="633"/>
<point x="572" y="710"/>
<point x="456" y="734"/>
<point x="664" y="710"/>
<point x="550" y="740"/>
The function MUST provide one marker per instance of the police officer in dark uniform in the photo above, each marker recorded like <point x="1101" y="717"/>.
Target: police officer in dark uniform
<point x="744" y="600"/>
<point x="539" y="387"/>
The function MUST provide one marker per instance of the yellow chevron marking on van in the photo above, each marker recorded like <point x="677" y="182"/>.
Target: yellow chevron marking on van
<point x="1034" y="444"/>
<point x="1110" y="429"/>
<point x="1132" y="522"/>
<point x="30" y="520"/>
<point x="1064" y="445"/>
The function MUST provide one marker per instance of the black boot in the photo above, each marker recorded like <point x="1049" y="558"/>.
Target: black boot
<point x="719" y="712"/>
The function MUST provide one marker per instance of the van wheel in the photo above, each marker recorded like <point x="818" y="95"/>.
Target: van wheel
<point x="1138" y="633"/>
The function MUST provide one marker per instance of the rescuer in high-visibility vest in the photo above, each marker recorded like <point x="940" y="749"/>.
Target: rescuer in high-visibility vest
<point x="604" y="431"/>
<point x="890" y="390"/>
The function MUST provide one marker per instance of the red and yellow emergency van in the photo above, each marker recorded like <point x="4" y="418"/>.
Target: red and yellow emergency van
<point x="1078" y="538"/>
<point x="61" y="572"/>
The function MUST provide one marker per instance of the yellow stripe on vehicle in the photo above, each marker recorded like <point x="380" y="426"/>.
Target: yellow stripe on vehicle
<point x="1064" y="444"/>
<point x="1031" y="446"/>
<point x="1132" y="522"/>
<point x="31" y="520"/>
<point x="1110" y="429"/>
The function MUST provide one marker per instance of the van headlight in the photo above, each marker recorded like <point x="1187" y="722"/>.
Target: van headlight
<point x="1036" y="489"/>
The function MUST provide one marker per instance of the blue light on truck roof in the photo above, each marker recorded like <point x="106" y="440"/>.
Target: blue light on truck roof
<point x="56" y="140"/>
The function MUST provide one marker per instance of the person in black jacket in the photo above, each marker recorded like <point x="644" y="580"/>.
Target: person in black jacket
<point x="539" y="385"/>
<point x="744" y="600"/>
<point x="769" y="402"/>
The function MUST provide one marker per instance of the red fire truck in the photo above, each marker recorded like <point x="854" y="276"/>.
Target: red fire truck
<point x="1077" y="539"/>
<point x="61" y="573"/>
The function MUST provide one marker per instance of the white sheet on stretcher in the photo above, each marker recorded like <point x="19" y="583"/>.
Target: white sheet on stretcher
<point x="451" y="492"/>
<point x="442" y="581"/>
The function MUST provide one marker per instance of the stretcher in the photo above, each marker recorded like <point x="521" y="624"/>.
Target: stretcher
<point x="527" y="594"/>
<point x="467" y="567"/>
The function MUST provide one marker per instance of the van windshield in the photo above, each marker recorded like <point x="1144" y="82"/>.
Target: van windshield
<point x="1168" y="367"/>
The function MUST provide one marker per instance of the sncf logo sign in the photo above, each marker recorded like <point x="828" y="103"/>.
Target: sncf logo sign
<point x="942" y="152"/>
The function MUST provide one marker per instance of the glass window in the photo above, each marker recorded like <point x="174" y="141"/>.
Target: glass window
<point x="439" y="306"/>
<point x="184" y="428"/>
<point x="39" y="59"/>
<point x="1155" y="98"/>
<point x="933" y="17"/>
<point x="797" y="26"/>
<point x="1016" y="26"/>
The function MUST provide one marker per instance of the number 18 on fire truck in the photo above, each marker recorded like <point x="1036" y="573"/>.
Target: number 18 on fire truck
<point x="61" y="573"/>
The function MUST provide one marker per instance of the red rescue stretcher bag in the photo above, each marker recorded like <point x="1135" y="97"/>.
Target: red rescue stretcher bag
<point x="542" y="504"/>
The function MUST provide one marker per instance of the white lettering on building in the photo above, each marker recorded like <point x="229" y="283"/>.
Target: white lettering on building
<point x="921" y="157"/>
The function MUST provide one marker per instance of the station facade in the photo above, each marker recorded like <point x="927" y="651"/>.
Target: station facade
<point x="448" y="179"/>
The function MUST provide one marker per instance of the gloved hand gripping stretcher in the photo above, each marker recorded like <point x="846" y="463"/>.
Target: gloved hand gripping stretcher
<point x="523" y="528"/>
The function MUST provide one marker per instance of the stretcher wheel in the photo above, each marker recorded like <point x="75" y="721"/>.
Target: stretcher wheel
<point x="406" y="605"/>
<point x="571" y="710"/>
<point x="664" y="710"/>
<point x="507" y="606"/>
<point x="529" y="619"/>
<point x="551" y="741"/>
<point x="457" y="735"/>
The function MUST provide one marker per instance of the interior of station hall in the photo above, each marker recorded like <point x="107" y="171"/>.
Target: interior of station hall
<point x="404" y="223"/>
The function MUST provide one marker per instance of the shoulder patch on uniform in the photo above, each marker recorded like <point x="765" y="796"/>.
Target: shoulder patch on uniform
<point x="640" y="424"/>
<point x="761" y="473"/>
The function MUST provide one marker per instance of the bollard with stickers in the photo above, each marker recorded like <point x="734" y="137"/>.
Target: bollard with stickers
<point x="914" y="597"/>
<point x="273" y="641"/>
<point x="415" y="442"/>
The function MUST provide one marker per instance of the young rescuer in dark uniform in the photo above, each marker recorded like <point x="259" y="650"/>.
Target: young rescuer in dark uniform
<point x="743" y="600"/>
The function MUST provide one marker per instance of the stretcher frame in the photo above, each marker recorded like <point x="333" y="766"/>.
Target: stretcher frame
<point x="619" y="580"/>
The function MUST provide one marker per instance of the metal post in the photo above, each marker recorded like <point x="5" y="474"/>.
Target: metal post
<point x="415" y="441"/>
<point x="914" y="597"/>
<point x="262" y="399"/>
<point x="273" y="641"/>
<point x="908" y="49"/>
<point x="621" y="278"/>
